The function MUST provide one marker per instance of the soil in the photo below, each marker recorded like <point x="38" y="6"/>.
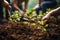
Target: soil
<point x="20" y="31"/>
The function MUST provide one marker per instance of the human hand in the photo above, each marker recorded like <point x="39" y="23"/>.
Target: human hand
<point x="22" y="13"/>
<point x="46" y="18"/>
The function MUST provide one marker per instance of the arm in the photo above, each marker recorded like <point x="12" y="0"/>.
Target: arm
<point x="26" y="5"/>
<point x="53" y="12"/>
<point x="7" y="6"/>
<point x="15" y="5"/>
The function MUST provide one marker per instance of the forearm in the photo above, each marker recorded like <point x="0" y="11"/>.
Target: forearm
<point x="54" y="12"/>
<point x="6" y="5"/>
<point x="16" y="7"/>
<point x="26" y="6"/>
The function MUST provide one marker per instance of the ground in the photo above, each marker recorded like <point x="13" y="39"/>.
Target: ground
<point x="23" y="31"/>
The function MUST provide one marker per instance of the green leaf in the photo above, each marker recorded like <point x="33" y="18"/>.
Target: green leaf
<point x="33" y="24"/>
<point x="46" y="25"/>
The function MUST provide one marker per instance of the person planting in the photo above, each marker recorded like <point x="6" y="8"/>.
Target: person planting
<point x="17" y="5"/>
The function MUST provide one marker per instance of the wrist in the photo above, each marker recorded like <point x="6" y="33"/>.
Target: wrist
<point x="25" y="10"/>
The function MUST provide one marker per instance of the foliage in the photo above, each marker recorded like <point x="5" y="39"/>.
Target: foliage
<point x="33" y="19"/>
<point x="15" y="17"/>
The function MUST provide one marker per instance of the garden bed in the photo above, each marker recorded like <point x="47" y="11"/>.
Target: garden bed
<point x="26" y="31"/>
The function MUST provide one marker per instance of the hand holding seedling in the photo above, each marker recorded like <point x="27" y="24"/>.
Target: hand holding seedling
<point x="51" y="13"/>
<point x="46" y="18"/>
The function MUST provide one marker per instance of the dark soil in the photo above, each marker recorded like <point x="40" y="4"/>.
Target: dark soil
<point x="20" y="31"/>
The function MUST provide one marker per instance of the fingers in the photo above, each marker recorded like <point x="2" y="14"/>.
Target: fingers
<point x="45" y="18"/>
<point x="22" y="13"/>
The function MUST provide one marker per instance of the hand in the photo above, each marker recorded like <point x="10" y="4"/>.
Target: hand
<point x="22" y="13"/>
<point x="46" y="18"/>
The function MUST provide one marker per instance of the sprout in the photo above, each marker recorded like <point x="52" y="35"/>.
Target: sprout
<point x="41" y="22"/>
<point x="25" y="22"/>
<point x="46" y="25"/>
<point x="33" y="24"/>
<point x="43" y="29"/>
